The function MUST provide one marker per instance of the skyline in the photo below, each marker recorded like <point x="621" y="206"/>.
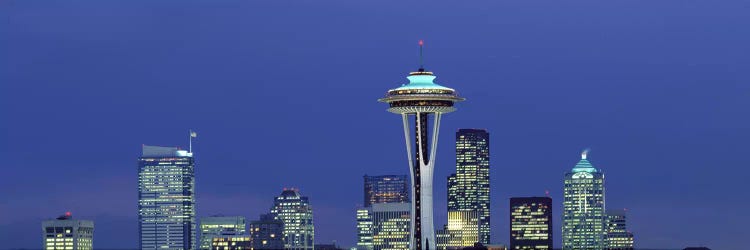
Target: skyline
<point x="663" y="108"/>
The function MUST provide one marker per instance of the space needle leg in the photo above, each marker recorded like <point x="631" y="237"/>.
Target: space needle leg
<point x="407" y="136"/>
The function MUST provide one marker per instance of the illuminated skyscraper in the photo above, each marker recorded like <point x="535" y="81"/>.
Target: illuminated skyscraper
<point x="295" y="212"/>
<point x="364" y="228"/>
<point x="469" y="187"/>
<point x="378" y="189"/>
<point x="65" y="233"/>
<point x="421" y="98"/>
<point x="390" y="223"/>
<point x="462" y="230"/>
<point x="386" y="189"/>
<point x="583" y="208"/>
<point x="530" y="223"/>
<point x="166" y="199"/>
<point x="220" y="226"/>
<point x="618" y="237"/>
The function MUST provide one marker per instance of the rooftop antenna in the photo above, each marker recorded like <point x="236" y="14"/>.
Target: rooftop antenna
<point x="421" y="57"/>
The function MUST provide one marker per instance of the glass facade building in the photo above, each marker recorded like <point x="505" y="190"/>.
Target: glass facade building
<point x="618" y="237"/>
<point x="391" y="224"/>
<point x="377" y="190"/>
<point x="295" y="212"/>
<point x="220" y="226"/>
<point x="65" y="233"/>
<point x="530" y="223"/>
<point x="386" y="189"/>
<point x="364" y="228"/>
<point x="469" y="187"/>
<point x="166" y="199"/>
<point x="583" y="208"/>
<point x="462" y="230"/>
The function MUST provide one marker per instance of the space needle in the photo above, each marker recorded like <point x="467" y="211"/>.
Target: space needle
<point x="421" y="98"/>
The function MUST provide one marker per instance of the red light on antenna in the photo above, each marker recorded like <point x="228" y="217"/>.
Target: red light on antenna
<point x="546" y="192"/>
<point x="68" y="214"/>
<point x="421" y="43"/>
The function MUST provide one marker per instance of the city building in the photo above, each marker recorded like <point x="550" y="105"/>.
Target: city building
<point x="378" y="189"/>
<point x="220" y="226"/>
<point x="267" y="232"/>
<point x="166" y="199"/>
<point x="241" y="242"/>
<point x="618" y="237"/>
<point x="697" y="248"/>
<point x="295" y="212"/>
<point x="421" y="98"/>
<point x="583" y="207"/>
<point x="65" y="233"/>
<point x="530" y="223"/>
<point x="386" y="189"/>
<point x="469" y="187"/>
<point x="364" y="228"/>
<point x="390" y="224"/>
<point x="461" y="231"/>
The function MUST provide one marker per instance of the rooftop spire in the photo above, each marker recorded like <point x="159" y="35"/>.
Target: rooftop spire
<point x="421" y="60"/>
<point x="584" y="154"/>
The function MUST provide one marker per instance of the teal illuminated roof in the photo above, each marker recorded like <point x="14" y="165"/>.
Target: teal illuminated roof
<point x="421" y="80"/>
<point x="584" y="165"/>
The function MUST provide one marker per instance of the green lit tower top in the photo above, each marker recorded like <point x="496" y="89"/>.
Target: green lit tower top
<point x="583" y="207"/>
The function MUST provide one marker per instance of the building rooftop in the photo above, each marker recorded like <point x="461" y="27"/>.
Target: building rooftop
<point x="422" y="80"/>
<point x="157" y="151"/>
<point x="584" y="165"/>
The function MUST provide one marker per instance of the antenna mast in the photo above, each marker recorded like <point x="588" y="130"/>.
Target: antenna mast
<point x="421" y="57"/>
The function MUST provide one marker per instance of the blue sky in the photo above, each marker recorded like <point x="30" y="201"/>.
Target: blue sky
<point x="283" y="94"/>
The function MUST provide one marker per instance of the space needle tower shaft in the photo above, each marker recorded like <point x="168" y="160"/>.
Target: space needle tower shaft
<point x="421" y="99"/>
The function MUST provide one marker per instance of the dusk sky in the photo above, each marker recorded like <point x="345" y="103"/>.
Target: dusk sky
<point x="284" y="94"/>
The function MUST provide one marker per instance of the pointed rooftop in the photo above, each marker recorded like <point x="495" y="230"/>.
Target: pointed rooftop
<point x="584" y="165"/>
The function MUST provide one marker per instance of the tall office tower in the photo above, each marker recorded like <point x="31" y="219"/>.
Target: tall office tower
<point x="583" y="207"/>
<point x="68" y="234"/>
<point x="618" y="237"/>
<point x="469" y="188"/>
<point x="166" y="199"/>
<point x="378" y="189"/>
<point x="295" y="211"/>
<point x="462" y="230"/>
<point x="386" y="189"/>
<point x="530" y="223"/>
<point x="421" y="98"/>
<point x="364" y="228"/>
<point x="390" y="226"/>
<point x="267" y="232"/>
<point x="220" y="226"/>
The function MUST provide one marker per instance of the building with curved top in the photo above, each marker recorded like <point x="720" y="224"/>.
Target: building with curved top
<point x="583" y="207"/>
<point x="421" y="99"/>
<point x="295" y="212"/>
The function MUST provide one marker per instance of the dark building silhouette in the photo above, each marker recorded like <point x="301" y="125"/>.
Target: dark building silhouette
<point x="267" y="232"/>
<point x="530" y="223"/>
